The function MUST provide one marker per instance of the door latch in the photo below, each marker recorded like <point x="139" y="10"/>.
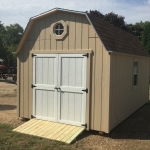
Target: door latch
<point x="57" y="88"/>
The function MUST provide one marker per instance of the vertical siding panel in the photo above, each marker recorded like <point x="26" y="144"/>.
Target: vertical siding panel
<point x="21" y="82"/>
<point x="59" y="42"/>
<point x="18" y="86"/>
<point x="25" y="80"/>
<point x="92" y="46"/>
<point x="53" y="40"/>
<point x="37" y="30"/>
<point x="78" y="32"/>
<point x="47" y="34"/>
<point x="85" y="33"/>
<point x="47" y="27"/>
<point x="31" y="45"/>
<point x="66" y="38"/>
<point x="98" y="83"/>
<point x="42" y="28"/>
<point x="42" y="33"/>
<point x="42" y="44"/>
<point x="71" y="31"/>
<point x="31" y="35"/>
<point x="105" y="91"/>
<point x="91" y="31"/>
<point x="30" y="75"/>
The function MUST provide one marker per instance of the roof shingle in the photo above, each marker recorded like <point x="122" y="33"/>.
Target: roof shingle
<point x="116" y="39"/>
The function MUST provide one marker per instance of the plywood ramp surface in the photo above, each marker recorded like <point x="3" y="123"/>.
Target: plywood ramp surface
<point x="50" y="130"/>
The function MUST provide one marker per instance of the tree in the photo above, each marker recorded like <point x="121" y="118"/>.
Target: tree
<point x="9" y="39"/>
<point x="14" y="34"/>
<point x="115" y="19"/>
<point x="111" y="18"/>
<point x="136" y="30"/>
<point x="146" y="36"/>
<point x="96" y="13"/>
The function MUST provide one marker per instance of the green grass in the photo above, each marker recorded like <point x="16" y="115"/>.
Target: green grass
<point x="10" y="140"/>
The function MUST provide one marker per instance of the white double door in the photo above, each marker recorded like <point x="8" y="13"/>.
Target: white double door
<point x="58" y="81"/>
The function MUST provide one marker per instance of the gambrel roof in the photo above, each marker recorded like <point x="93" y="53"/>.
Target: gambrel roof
<point x="113" y="38"/>
<point x="116" y="39"/>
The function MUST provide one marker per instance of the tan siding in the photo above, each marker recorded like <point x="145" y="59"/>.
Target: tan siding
<point x="42" y="25"/>
<point x="98" y="85"/>
<point x="66" y="38"/>
<point x="85" y="33"/>
<point x="80" y="36"/>
<point x="37" y="30"/>
<point x="124" y="98"/>
<point x="18" y="86"/>
<point x="25" y="80"/>
<point x="21" y="90"/>
<point x="72" y="31"/>
<point x="59" y="42"/>
<point x="53" y="40"/>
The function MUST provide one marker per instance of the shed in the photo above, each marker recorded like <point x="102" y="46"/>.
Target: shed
<point x="76" y="69"/>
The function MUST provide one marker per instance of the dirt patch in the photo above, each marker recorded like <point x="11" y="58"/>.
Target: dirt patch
<point x="8" y="103"/>
<point x="132" y="134"/>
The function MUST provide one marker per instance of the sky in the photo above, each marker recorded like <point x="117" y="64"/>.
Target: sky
<point x="20" y="11"/>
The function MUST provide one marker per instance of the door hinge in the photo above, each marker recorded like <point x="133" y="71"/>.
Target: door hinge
<point x="86" y="90"/>
<point x="33" y="55"/>
<point x="33" y="116"/>
<point x="32" y="86"/>
<point x="85" y="125"/>
<point x="87" y="55"/>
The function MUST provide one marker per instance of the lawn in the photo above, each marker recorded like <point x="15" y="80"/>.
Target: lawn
<point x="13" y="140"/>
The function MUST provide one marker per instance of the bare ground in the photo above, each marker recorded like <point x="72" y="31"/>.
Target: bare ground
<point x="132" y="134"/>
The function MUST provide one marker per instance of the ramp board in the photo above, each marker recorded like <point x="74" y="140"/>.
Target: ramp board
<point x="50" y="130"/>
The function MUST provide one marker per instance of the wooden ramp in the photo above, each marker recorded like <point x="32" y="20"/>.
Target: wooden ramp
<point x="50" y="130"/>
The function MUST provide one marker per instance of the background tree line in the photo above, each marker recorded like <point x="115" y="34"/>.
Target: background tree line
<point x="11" y="35"/>
<point x="9" y="40"/>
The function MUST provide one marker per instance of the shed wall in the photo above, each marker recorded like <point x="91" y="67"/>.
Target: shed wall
<point x="124" y="98"/>
<point x="80" y="36"/>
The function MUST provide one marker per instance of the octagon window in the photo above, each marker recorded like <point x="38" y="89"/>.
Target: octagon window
<point x="59" y="29"/>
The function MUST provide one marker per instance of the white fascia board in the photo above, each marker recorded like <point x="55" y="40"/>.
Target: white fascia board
<point x="56" y="9"/>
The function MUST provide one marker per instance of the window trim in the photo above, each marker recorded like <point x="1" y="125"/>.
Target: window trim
<point x="135" y="73"/>
<point x="58" y="37"/>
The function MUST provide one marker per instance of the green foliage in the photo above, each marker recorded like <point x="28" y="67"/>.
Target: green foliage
<point x="115" y="19"/>
<point x="10" y="140"/>
<point x="111" y="18"/>
<point x="146" y="36"/>
<point x="9" y="39"/>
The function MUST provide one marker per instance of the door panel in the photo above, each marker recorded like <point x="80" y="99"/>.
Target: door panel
<point x="72" y="80"/>
<point x="44" y="104"/>
<point x="71" y="105"/>
<point x="45" y="80"/>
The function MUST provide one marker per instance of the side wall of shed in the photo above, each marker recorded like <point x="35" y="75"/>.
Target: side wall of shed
<point x="124" y="97"/>
<point x="80" y="37"/>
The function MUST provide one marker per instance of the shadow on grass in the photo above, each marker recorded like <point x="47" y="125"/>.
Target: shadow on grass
<point x="7" y="107"/>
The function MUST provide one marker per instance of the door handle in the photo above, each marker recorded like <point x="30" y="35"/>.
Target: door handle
<point x="57" y="88"/>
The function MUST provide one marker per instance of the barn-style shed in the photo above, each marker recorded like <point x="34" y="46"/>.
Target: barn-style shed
<point x="76" y="69"/>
